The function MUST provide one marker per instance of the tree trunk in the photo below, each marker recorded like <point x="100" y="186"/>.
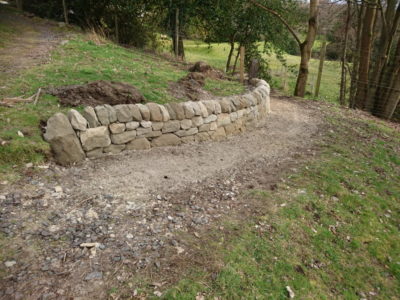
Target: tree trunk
<point x="365" y="55"/>
<point x="176" y="41"/>
<point x="389" y="89"/>
<point x="181" y="49"/>
<point x="116" y="28"/>
<point x="20" y="4"/>
<point x="65" y="12"/>
<point x="342" y="96"/>
<point x="305" y="50"/>
<point x="242" y="57"/>
<point x="356" y="57"/>
<point x="388" y="32"/>
<point x="236" y="60"/>
<point x="228" y="62"/>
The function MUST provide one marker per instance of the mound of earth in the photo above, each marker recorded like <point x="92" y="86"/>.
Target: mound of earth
<point x="190" y="87"/>
<point x="207" y="70"/>
<point x="97" y="93"/>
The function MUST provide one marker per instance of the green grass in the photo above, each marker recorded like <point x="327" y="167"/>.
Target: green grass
<point x="6" y="32"/>
<point x="78" y="62"/>
<point x="216" y="55"/>
<point x="336" y="237"/>
<point x="223" y="87"/>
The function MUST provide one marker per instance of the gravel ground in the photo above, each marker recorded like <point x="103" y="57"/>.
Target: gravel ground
<point x="77" y="232"/>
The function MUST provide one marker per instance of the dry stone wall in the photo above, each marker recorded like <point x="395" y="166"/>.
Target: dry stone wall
<point x="109" y="129"/>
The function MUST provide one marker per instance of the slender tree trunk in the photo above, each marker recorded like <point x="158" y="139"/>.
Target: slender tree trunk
<point x="176" y="33"/>
<point x="228" y="62"/>
<point x="242" y="57"/>
<point x="181" y="48"/>
<point x="391" y="21"/>
<point x="236" y="60"/>
<point x="305" y="50"/>
<point x="365" y="51"/>
<point x="389" y="89"/>
<point x="356" y="56"/>
<point x="342" y="96"/>
<point x="65" y="12"/>
<point x="20" y="5"/>
<point x="116" y="28"/>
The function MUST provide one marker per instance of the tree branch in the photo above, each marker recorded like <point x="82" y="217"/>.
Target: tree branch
<point x="276" y="14"/>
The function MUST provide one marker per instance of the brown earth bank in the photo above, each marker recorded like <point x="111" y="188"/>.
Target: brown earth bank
<point x="97" y="93"/>
<point x="32" y="42"/>
<point x="74" y="233"/>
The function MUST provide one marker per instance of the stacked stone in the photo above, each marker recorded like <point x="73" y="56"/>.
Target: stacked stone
<point x="109" y="129"/>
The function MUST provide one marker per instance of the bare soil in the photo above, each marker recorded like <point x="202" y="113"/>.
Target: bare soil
<point x="136" y="205"/>
<point x="31" y="44"/>
<point x="97" y="93"/>
<point x="191" y="86"/>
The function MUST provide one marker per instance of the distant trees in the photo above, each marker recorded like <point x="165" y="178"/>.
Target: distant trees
<point x="365" y="35"/>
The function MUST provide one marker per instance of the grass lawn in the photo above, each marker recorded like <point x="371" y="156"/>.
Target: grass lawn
<point x="77" y="62"/>
<point x="5" y="32"/>
<point x="217" y="53"/>
<point x="330" y="230"/>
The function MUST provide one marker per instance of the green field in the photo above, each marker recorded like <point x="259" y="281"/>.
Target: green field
<point x="216" y="54"/>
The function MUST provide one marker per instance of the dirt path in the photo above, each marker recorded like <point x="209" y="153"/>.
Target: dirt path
<point x="31" y="43"/>
<point x="136" y="204"/>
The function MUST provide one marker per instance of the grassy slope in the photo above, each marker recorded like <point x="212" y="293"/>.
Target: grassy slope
<point x="332" y="232"/>
<point x="80" y="61"/>
<point x="216" y="55"/>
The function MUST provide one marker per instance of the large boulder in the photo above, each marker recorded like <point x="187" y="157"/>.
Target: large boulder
<point x="63" y="140"/>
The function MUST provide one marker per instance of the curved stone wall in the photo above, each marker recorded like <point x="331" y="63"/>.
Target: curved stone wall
<point x="109" y="129"/>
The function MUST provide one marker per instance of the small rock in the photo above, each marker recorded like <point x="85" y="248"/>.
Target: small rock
<point x="158" y="293"/>
<point x="180" y="250"/>
<point x="20" y="134"/>
<point x="290" y="292"/>
<point x="129" y="236"/>
<point x="91" y="214"/>
<point x="29" y="165"/>
<point x="58" y="189"/>
<point x="94" y="275"/>
<point x="10" y="263"/>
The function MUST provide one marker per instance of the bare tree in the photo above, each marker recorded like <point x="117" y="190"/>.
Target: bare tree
<point x="305" y="46"/>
